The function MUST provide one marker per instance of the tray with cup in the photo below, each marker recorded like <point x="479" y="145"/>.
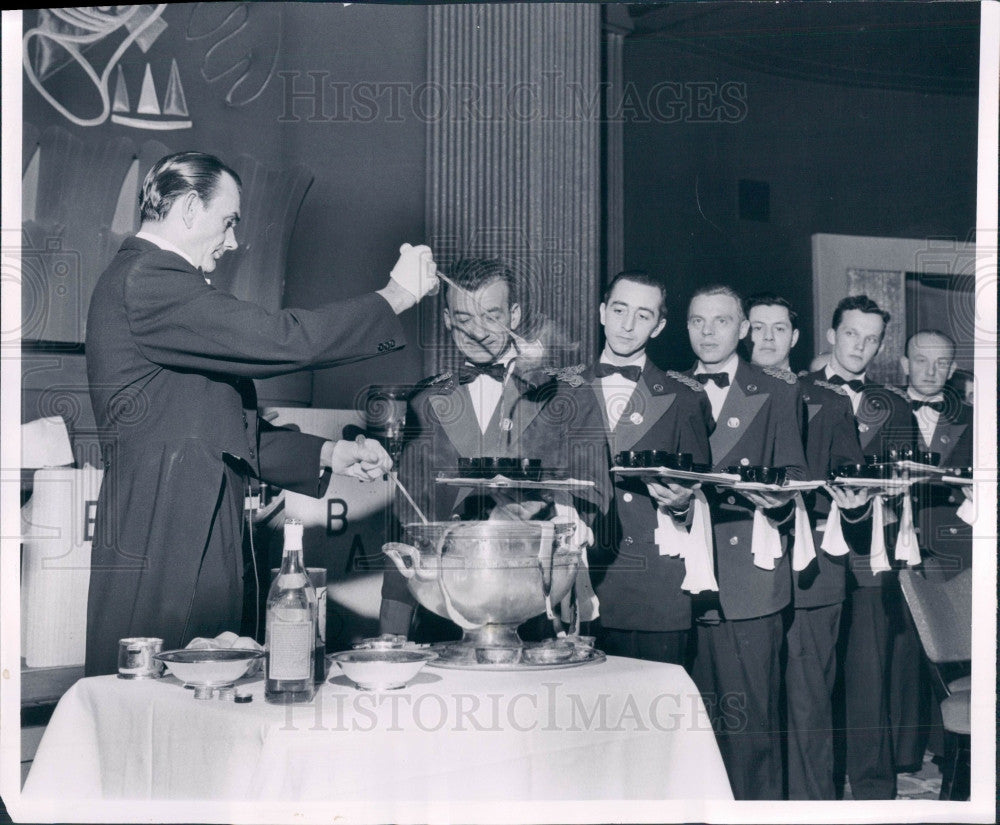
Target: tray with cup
<point x="882" y="476"/>
<point x="508" y="473"/>
<point x="654" y="464"/>
<point x="756" y="478"/>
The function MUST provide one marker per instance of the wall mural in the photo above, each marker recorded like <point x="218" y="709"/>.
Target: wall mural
<point x="241" y="50"/>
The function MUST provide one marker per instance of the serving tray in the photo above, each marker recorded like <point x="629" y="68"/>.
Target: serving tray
<point x="504" y="483"/>
<point x="580" y="657"/>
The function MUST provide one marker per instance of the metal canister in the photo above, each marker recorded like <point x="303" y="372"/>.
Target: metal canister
<point x="135" y="658"/>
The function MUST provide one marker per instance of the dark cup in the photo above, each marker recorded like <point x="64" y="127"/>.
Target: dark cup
<point x="930" y="458"/>
<point x="509" y="467"/>
<point x="851" y="471"/>
<point x="487" y="467"/>
<point x="961" y="472"/>
<point x="467" y="468"/>
<point x="531" y="468"/>
<point x="630" y="458"/>
<point x="771" y="475"/>
<point x="873" y="458"/>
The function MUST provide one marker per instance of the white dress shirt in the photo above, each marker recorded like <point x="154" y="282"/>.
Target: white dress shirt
<point x="486" y="392"/>
<point x="617" y="389"/>
<point x="717" y="395"/>
<point x="927" y="419"/>
<point x="166" y="246"/>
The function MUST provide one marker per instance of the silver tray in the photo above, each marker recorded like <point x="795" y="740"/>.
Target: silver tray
<point x="504" y="483"/>
<point x="681" y="475"/>
<point x="895" y="485"/>
<point x="581" y="656"/>
<point x="958" y="481"/>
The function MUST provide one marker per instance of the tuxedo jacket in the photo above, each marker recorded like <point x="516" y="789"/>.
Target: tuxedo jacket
<point x="831" y="439"/>
<point x="638" y="588"/>
<point x="529" y="422"/>
<point x="883" y="421"/>
<point x="943" y="535"/>
<point x="760" y="423"/>
<point x="169" y="363"/>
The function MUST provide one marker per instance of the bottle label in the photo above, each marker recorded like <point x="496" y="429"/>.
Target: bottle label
<point x="290" y="645"/>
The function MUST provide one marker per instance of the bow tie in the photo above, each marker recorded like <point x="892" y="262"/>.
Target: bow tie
<point x="854" y="385"/>
<point x="721" y="379"/>
<point x="937" y="406"/>
<point x="630" y="372"/>
<point x="468" y="373"/>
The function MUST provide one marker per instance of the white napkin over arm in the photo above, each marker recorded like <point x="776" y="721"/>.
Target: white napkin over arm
<point x="765" y="541"/>
<point x="834" y="543"/>
<point x="907" y="548"/>
<point x="804" y="548"/>
<point x="692" y="543"/>
<point x="878" y="559"/>
<point x="587" y="604"/>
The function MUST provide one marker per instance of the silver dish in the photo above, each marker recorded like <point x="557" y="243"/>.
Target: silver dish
<point x="487" y="576"/>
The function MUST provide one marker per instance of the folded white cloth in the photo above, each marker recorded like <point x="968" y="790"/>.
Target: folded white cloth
<point x="907" y="549"/>
<point x="834" y="543"/>
<point x="878" y="559"/>
<point x="804" y="549"/>
<point x="966" y="511"/>
<point x="765" y="541"/>
<point x="693" y="544"/>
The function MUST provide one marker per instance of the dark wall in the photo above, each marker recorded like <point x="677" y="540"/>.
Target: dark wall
<point x="837" y="158"/>
<point x="237" y="63"/>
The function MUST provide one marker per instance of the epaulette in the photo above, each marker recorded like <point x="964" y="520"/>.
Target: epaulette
<point x="901" y="393"/>
<point x="687" y="380"/>
<point x="787" y="376"/>
<point x="570" y="375"/>
<point x="434" y="380"/>
<point x="840" y="389"/>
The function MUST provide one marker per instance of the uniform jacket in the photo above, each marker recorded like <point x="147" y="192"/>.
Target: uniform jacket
<point x="759" y="424"/>
<point x="884" y="422"/>
<point x="942" y="533"/>
<point x="169" y="362"/>
<point x="639" y="589"/>
<point x="831" y="439"/>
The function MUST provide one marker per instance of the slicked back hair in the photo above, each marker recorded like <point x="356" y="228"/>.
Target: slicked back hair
<point x="640" y="276"/>
<point x="721" y="289"/>
<point x="770" y="299"/>
<point x="862" y="303"/>
<point x="177" y="174"/>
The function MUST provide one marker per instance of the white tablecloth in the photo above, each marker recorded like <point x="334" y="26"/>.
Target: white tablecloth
<point x="624" y="729"/>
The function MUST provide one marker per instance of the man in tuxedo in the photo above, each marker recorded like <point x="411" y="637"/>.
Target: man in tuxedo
<point x="170" y="361"/>
<point x="881" y="648"/>
<point x="484" y="409"/>
<point x="831" y="439"/>
<point x="757" y="413"/>
<point x="943" y="425"/>
<point x="645" y="613"/>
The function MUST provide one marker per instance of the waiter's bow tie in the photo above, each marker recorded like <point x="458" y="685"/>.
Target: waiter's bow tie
<point x="721" y="379"/>
<point x="630" y="372"/>
<point x="937" y="406"/>
<point x="854" y="385"/>
<point x="470" y="372"/>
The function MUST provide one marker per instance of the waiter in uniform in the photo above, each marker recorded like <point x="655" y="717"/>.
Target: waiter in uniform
<point x="169" y="362"/>
<point x="487" y="408"/>
<point x="818" y="591"/>
<point x="942" y="423"/>
<point x="740" y="630"/>
<point x="645" y="612"/>
<point x="879" y="645"/>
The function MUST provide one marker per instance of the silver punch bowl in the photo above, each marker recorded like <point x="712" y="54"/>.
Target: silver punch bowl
<point x="487" y="577"/>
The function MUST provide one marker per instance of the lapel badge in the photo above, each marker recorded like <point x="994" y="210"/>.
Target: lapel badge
<point x="751" y="388"/>
<point x="506" y="425"/>
<point x="862" y="427"/>
<point x="733" y="423"/>
<point x="744" y="462"/>
<point x="657" y="387"/>
<point x="945" y="439"/>
<point x="636" y="418"/>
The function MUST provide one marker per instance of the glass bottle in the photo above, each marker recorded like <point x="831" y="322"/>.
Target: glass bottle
<point x="291" y="626"/>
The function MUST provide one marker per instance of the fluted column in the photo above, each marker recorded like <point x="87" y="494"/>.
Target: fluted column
<point x="514" y="157"/>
